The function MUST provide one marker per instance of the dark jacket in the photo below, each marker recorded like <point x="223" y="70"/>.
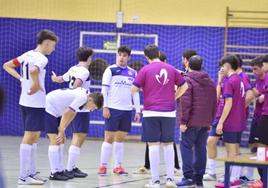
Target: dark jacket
<point x="197" y="106"/>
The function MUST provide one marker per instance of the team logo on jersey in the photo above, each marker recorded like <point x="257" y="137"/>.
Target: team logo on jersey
<point x="162" y="77"/>
<point x="130" y="73"/>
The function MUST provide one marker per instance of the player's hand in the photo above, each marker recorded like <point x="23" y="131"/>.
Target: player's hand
<point x="60" y="137"/>
<point x="35" y="88"/>
<point x="54" y="77"/>
<point x="219" y="128"/>
<point x="183" y="128"/>
<point x="261" y="99"/>
<point x="137" y="117"/>
<point x="106" y="112"/>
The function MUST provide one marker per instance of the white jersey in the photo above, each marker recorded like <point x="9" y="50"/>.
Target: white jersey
<point x="27" y="61"/>
<point x="59" y="100"/>
<point x="119" y="81"/>
<point x="77" y="72"/>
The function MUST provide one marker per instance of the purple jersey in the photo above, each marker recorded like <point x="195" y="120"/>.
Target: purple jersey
<point x="265" y="103"/>
<point x="234" y="88"/>
<point x="259" y="85"/>
<point x="157" y="80"/>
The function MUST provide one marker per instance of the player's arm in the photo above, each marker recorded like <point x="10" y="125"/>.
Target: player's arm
<point x="66" y="119"/>
<point x="181" y="90"/>
<point x="137" y="105"/>
<point x="80" y="79"/>
<point x="10" y="68"/>
<point x="249" y="97"/>
<point x="226" y="110"/>
<point x="34" y="73"/>
<point x="106" y="80"/>
<point x="55" y="78"/>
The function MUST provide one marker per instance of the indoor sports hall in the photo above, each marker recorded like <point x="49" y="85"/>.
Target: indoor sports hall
<point x="212" y="28"/>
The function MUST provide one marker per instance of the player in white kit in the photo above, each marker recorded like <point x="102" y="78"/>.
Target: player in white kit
<point x="77" y="76"/>
<point x="62" y="106"/>
<point x="32" y="101"/>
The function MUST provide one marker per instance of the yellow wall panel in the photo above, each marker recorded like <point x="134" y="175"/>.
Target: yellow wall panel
<point x="168" y="12"/>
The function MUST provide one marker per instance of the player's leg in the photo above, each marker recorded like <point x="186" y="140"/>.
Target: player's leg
<point x="231" y="139"/>
<point x="212" y="153"/>
<point x="80" y="129"/>
<point x="167" y="139"/>
<point x="31" y="121"/>
<point x="176" y="158"/>
<point x="54" y="150"/>
<point x="151" y="134"/>
<point x="123" y="129"/>
<point x="111" y="126"/>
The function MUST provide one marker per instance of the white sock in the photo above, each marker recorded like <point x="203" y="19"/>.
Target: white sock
<point x="25" y="160"/>
<point x="54" y="157"/>
<point x="154" y="161"/>
<point x="61" y="159"/>
<point x="235" y="173"/>
<point x="106" y="151"/>
<point x="118" y="153"/>
<point x="74" y="153"/>
<point x="33" y="159"/>
<point x="169" y="160"/>
<point x="211" y="163"/>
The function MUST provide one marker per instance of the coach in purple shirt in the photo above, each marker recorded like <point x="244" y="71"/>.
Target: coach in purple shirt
<point x="197" y="109"/>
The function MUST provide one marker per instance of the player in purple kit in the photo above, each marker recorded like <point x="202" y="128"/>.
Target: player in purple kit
<point x="232" y="121"/>
<point x="262" y="128"/>
<point x="257" y="67"/>
<point x="157" y="80"/>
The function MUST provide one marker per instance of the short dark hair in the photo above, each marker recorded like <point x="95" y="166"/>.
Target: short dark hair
<point x="151" y="51"/>
<point x="97" y="99"/>
<point x="136" y="65"/>
<point x="46" y="35"/>
<point x="265" y="59"/>
<point x="230" y="59"/>
<point x="257" y="61"/>
<point x="187" y="53"/>
<point x="83" y="53"/>
<point x="195" y="62"/>
<point x="124" y="49"/>
<point x="162" y="56"/>
<point x="97" y="68"/>
<point x="239" y="60"/>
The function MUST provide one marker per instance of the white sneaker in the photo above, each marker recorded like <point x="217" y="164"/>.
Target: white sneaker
<point x="141" y="170"/>
<point x="153" y="185"/>
<point x="170" y="184"/>
<point x="209" y="177"/>
<point x="38" y="177"/>
<point x="29" y="181"/>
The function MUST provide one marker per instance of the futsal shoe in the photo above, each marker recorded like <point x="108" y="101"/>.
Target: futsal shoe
<point x="209" y="177"/>
<point x="59" y="176"/>
<point x="69" y="174"/>
<point x="170" y="183"/>
<point x="29" y="181"/>
<point x="102" y="171"/>
<point x="141" y="170"/>
<point x="120" y="171"/>
<point x="38" y="177"/>
<point x="155" y="184"/>
<point x="78" y="173"/>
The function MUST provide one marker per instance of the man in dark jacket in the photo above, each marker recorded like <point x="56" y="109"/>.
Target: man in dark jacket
<point x="197" y="109"/>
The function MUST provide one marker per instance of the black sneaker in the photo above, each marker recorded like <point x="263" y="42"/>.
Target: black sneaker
<point x="58" y="176"/>
<point x="78" y="173"/>
<point x="69" y="174"/>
